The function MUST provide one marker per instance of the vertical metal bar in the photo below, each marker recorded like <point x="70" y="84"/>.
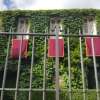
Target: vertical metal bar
<point x="95" y="69"/>
<point x="5" y="68"/>
<point x="44" y="71"/>
<point x="69" y="66"/>
<point x="57" y="63"/>
<point x="18" y="70"/>
<point x="82" y="67"/>
<point x="31" y="70"/>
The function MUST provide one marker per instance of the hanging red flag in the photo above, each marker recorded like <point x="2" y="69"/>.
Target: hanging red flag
<point x="96" y="45"/>
<point x="15" y="48"/>
<point x="52" y="47"/>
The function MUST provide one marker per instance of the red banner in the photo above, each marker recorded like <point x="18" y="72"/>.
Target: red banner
<point x="96" y="43"/>
<point x="52" y="47"/>
<point x="15" y="48"/>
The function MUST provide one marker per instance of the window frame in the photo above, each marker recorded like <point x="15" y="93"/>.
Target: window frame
<point x="25" y="27"/>
<point x="57" y="25"/>
<point x="89" y="26"/>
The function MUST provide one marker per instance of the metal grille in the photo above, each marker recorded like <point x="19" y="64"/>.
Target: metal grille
<point x="56" y="90"/>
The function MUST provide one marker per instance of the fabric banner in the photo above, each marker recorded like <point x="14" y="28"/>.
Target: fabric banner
<point x="96" y="43"/>
<point x="15" y="48"/>
<point x="52" y="47"/>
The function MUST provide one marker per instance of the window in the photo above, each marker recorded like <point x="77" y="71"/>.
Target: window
<point x="89" y="26"/>
<point x="23" y="26"/>
<point x="56" y="24"/>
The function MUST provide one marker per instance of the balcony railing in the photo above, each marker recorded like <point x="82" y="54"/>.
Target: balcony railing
<point x="79" y="58"/>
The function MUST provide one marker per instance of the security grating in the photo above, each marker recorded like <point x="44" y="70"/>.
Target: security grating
<point x="56" y="92"/>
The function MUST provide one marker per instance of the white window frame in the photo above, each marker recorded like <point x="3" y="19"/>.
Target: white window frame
<point x="25" y="27"/>
<point x="89" y="27"/>
<point x="54" y="25"/>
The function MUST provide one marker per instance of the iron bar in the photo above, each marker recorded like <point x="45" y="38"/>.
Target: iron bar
<point x="18" y="70"/>
<point x="44" y="71"/>
<point x="47" y="89"/>
<point x="95" y="69"/>
<point x="69" y="67"/>
<point x="82" y="67"/>
<point x="5" y="68"/>
<point x="46" y="34"/>
<point x="57" y="63"/>
<point x="31" y="70"/>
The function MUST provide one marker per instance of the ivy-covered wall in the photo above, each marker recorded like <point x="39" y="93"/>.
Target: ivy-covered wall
<point x="39" y="21"/>
<point x="10" y="18"/>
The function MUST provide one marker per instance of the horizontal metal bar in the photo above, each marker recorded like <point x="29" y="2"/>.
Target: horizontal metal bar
<point x="52" y="90"/>
<point x="45" y="34"/>
<point x="26" y="89"/>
